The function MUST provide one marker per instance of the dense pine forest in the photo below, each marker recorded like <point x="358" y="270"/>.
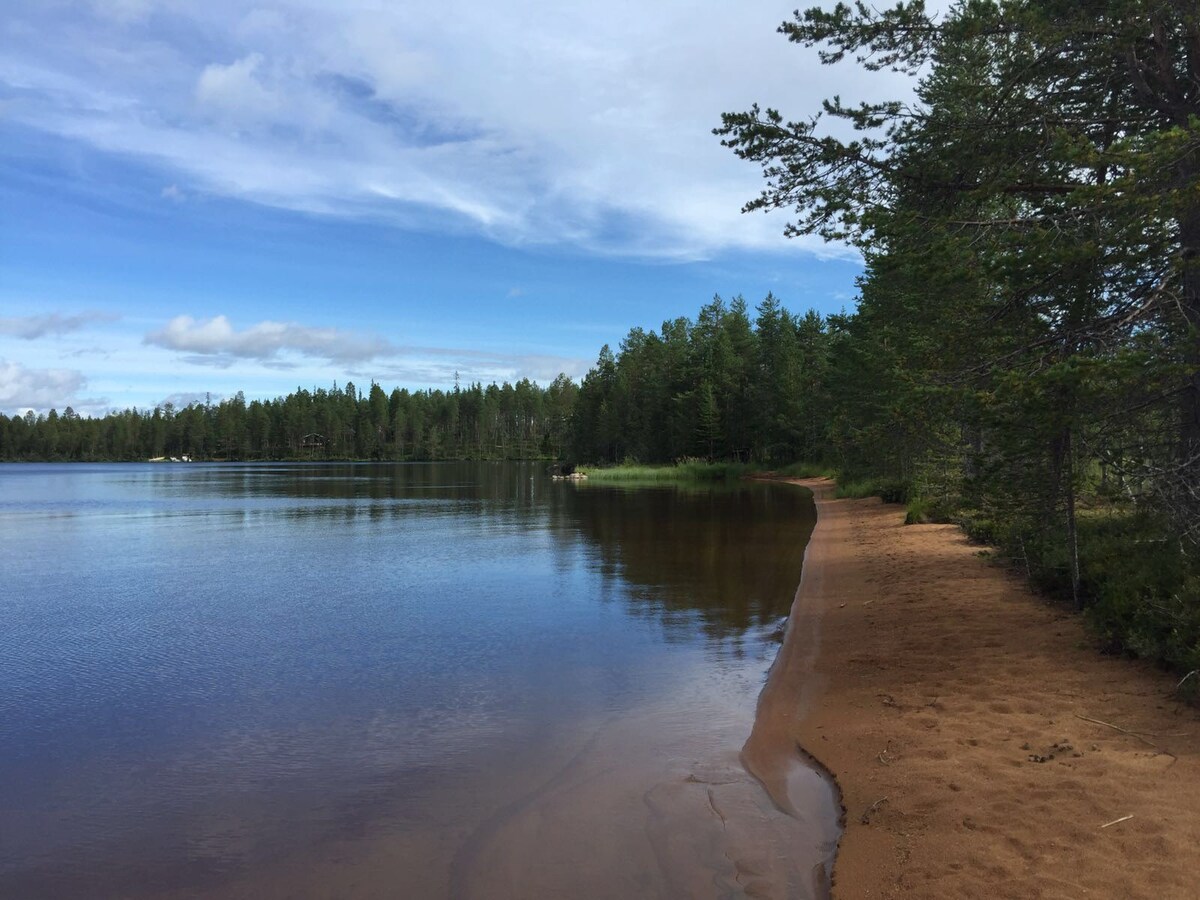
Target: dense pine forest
<point x="735" y="384"/>
<point x="731" y="385"/>
<point x="521" y="421"/>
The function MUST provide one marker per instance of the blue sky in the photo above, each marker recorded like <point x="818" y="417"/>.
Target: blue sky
<point x="215" y="196"/>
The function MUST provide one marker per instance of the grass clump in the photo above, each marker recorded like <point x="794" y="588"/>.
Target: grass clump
<point x="890" y="490"/>
<point x="807" y="470"/>
<point x="685" y="470"/>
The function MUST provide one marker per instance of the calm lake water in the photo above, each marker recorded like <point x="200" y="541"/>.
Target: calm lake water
<point x="386" y="681"/>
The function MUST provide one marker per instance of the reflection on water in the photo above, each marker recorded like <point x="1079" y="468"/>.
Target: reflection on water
<point x="375" y="680"/>
<point x="729" y="558"/>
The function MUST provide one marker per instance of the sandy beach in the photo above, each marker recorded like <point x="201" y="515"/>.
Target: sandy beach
<point x="983" y="747"/>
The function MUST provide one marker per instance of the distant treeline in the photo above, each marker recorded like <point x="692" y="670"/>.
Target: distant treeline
<point x="521" y="421"/>
<point x="725" y="387"/>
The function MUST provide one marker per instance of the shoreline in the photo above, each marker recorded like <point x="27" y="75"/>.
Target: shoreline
<point x="981" y="745"/>
<point x="773" y="753"/>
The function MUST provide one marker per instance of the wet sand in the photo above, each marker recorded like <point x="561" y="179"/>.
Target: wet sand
<point x="647" y="806"/>
<point x="953" y="704"/>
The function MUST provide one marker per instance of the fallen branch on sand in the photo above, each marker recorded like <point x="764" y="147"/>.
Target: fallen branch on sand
<point x="866" y="817"/>
<point x="1136" y="734"/>
<point x="1118" y="821"/>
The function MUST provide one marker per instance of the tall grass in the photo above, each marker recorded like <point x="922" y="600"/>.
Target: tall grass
<point x="807" y="470"/>
<point x="891" y="490"/>
<point x="688" y="470"/>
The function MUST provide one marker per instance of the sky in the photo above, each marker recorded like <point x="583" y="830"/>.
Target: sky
<point x="199" y="197"/>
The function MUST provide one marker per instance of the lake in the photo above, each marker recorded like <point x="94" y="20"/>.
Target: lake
<point x="377" y="680"/>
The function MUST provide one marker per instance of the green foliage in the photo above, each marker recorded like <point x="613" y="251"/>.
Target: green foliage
<point x="1025" y="355"/>
<point x="686" y="470"/>
<point x="1141" y="590"/>
<point x="924" y="510"/>
<point x="521" y="421"/>
<point x="721" y="388"/>
<point x="889" y="490"/>
<point x="807" y="470"/>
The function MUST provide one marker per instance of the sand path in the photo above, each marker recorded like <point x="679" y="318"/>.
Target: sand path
<point x="949" y="710"/>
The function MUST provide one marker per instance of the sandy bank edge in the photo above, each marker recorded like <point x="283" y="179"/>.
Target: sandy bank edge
<point x="772" y="753"/>
<point x="947" y="700"/>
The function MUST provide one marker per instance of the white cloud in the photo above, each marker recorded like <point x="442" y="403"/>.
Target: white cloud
<point x="32" y="327"/>
<point x="234" y="88"/>
<point x="279" y="346"/>
<point x="217" y="342"/>
<point x="181" y="399"/>
<point x="527" y="121"/>
<point x="25" y="388"/>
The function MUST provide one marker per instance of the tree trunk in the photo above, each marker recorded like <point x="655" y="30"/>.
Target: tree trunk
<point x="1072" y="529"/>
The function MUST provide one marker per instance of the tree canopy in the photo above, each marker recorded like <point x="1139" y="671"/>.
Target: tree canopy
<point x="1025" y="355"/>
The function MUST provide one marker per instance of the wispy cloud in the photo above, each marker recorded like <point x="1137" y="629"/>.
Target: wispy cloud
<point x="423" y="115"/>
<point x="124" y="11"/>
<point x="216" y="342"/>
<point x="441" y="366"/>
<point x="33" y="327"/>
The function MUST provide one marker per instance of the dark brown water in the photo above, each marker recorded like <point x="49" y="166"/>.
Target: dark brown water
<point x="392" y="681"/>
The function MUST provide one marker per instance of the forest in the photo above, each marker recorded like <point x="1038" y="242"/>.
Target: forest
<point x="1023" y="358"/>
<point x="521" y="421"/>
<point x="725" y="387"/>
<point x="1025" y="353"/>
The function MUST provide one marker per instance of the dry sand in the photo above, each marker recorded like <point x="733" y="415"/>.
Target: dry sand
<point x="951" y="704"/>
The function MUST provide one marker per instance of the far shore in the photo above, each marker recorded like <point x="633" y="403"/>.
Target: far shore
<point x="983" y="747"/>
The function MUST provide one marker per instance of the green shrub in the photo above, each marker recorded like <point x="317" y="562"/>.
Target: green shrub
<point x="929" y="509"/>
